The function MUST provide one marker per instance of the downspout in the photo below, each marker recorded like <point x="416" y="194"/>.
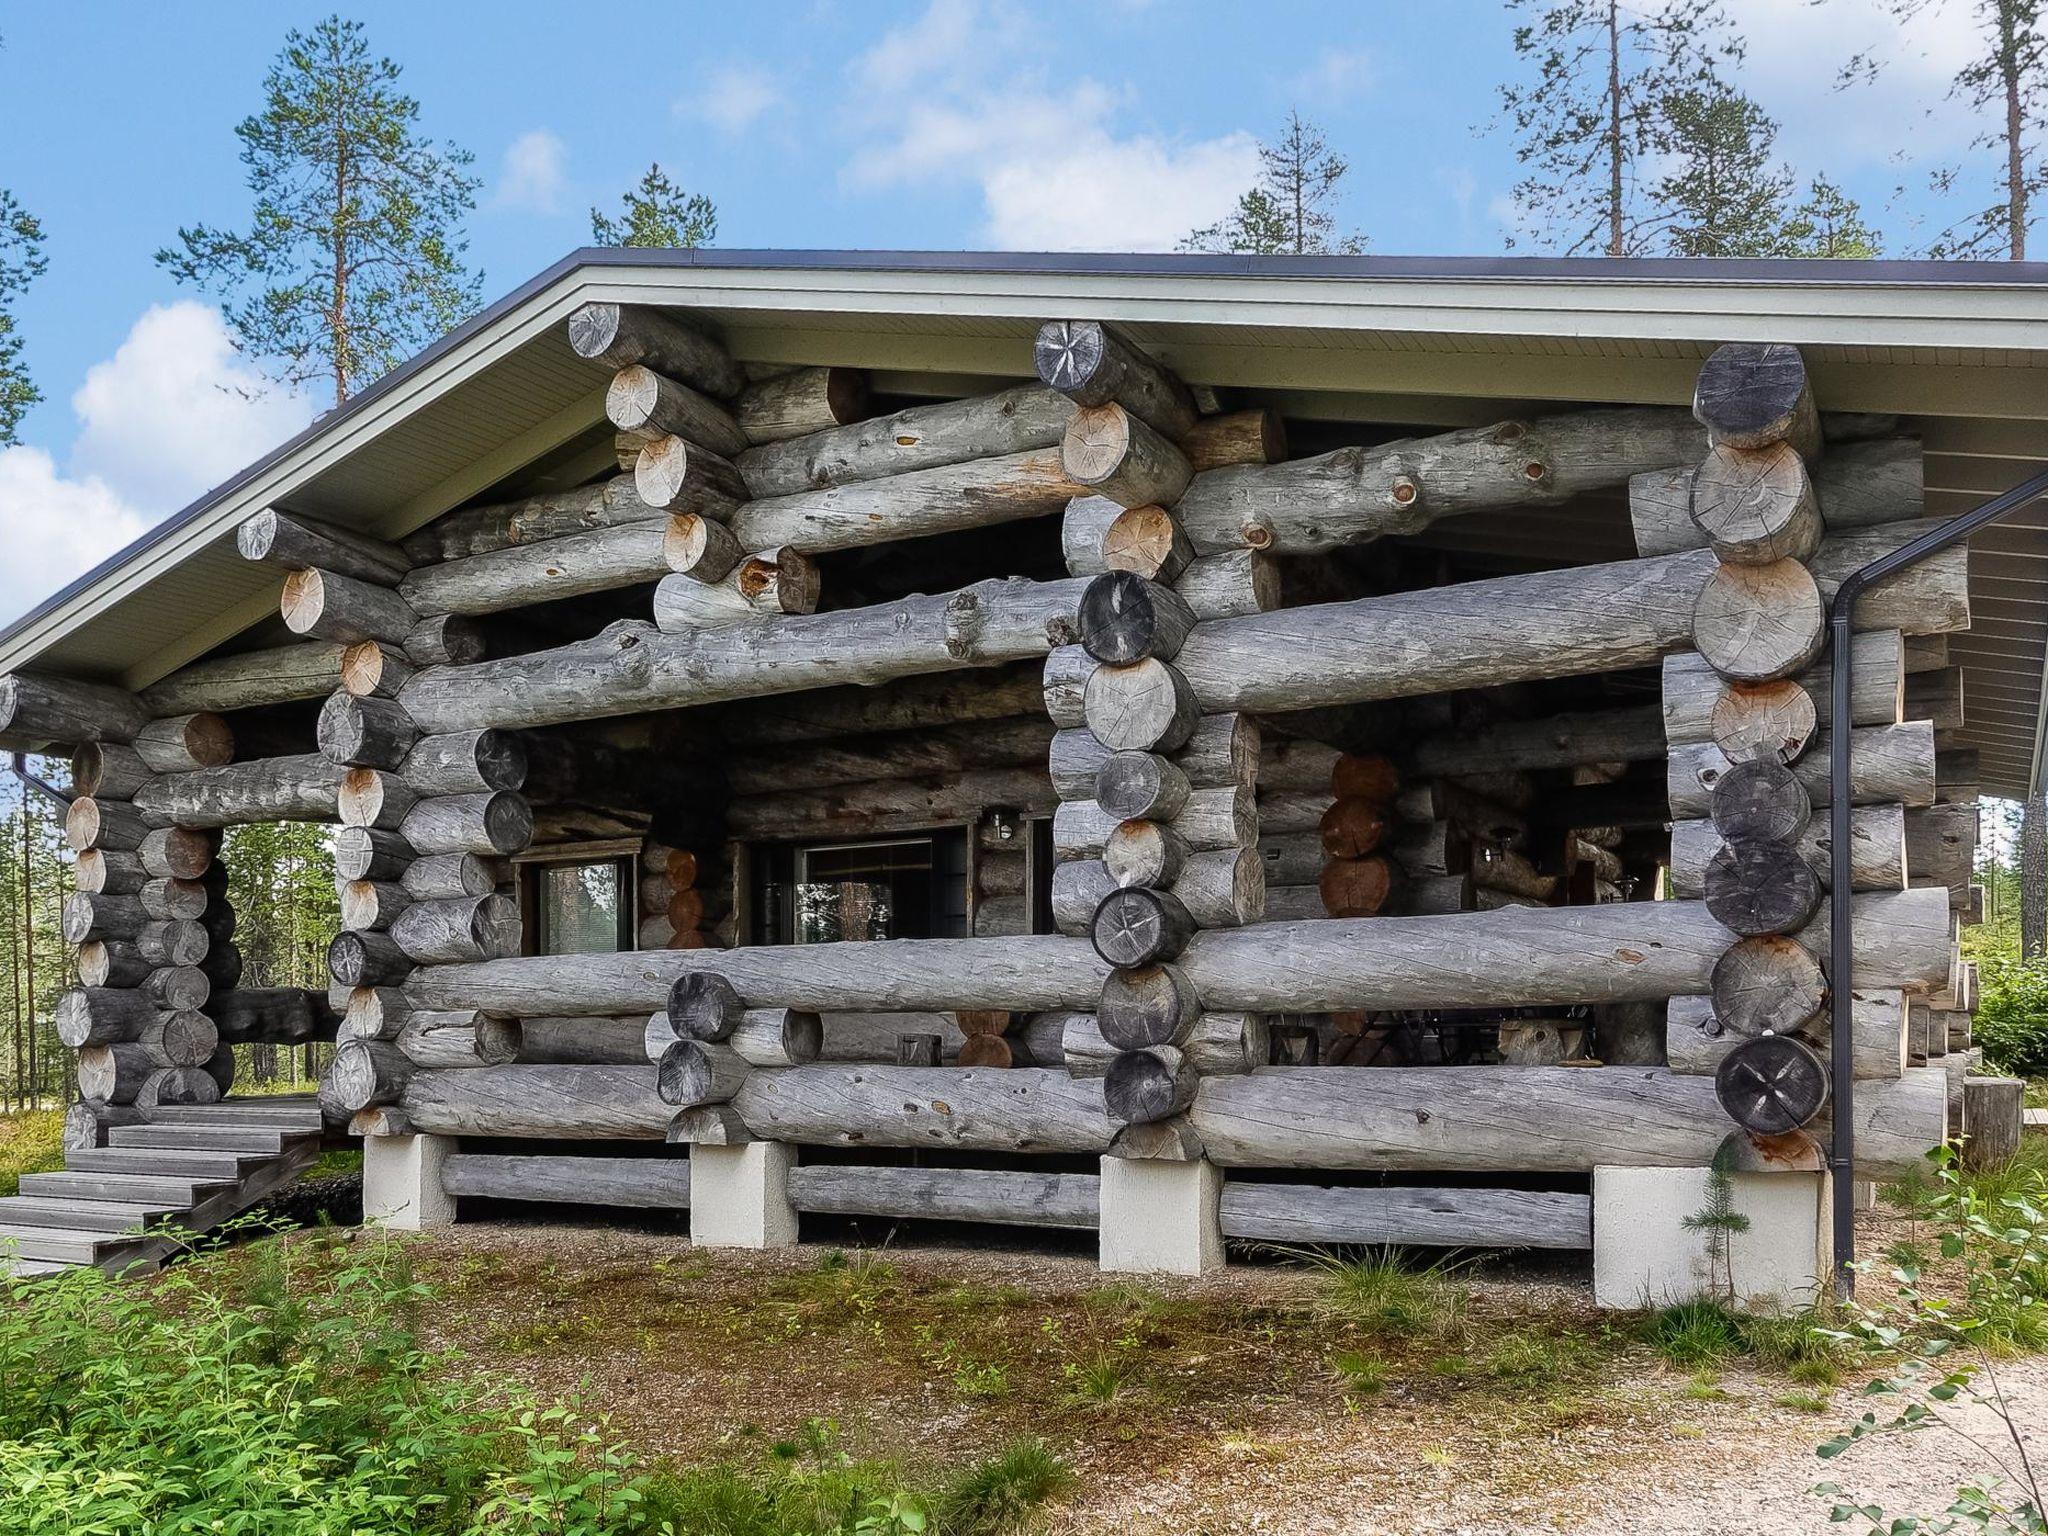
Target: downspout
<point x="1841" y="959"/>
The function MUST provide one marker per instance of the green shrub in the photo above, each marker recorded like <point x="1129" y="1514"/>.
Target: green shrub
<point x="31" y="1142"/>
<point x="1695" y="1333"/>
<point x="2012" y="1015"/>
<point x="998" y="1495"/>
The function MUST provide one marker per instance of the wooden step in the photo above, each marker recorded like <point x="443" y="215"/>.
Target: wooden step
<point x="28" y="1269"/>
<point x="290" y="1113"/>
<point x="224" y="1166"/>
<point x="202" y="1138"/>
<point x="82" y="1215"/>
<point x="166" y="1190"/>
<point x="64" y="1245"/>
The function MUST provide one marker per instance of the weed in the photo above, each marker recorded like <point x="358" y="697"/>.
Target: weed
<point x="1377" y="1289"/>
<point x="985" y="1378"/>
<point x="998" y="1495"/>
<point x="1451" y="1366"/>
<point x="1804" y="1402"/>
<point x="1360" y="1373"/>
<point x="1705" y="1387"/>
<point x="1099" y="1383"/>
<point x="1532" y="1356"/>
<point x="1439" y="1456"/>
<point x="31" y="1142"/>
<point x="1694" y="1333"/>
<point x="1796" y="1344"/>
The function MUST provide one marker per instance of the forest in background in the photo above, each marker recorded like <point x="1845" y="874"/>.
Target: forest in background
<point x="280" y="879"/>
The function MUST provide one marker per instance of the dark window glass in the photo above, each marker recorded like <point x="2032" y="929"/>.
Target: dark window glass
<point x="912" y="887"/>
<point x="581" y="909"/>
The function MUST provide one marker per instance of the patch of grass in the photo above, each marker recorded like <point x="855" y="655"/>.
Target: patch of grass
<point x="982" y="1378"/>
<point x="2037" y="1093"/>
<point x="1439" y="1456"/>
<point x="1360" y="1373"/>
<point x="1451" y="1366"/>
<point x="1136" y="1301"/>
<point x="537" y="1335"/>
<point x="2022" y="1176"/>
<point x="30" y="1142"/>
<point x="1099" y="1383"/>
<point x="1804" y="1402"/>
<point x="1534" y="1357"/>
<point x="998" y="1495"/>
<point x="1694" y="1333"/>
<point x="1796" y="1344"/>
<point x="1379" y="1289"/>
<point x="859" y="1280"/>
<point x="972" y="1297"/>
<point x="1705" y="1387"/>
<point x="335" y="1164"/>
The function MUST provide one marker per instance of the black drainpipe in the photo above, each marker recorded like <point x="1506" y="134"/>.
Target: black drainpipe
<point x="1841" y="961"/>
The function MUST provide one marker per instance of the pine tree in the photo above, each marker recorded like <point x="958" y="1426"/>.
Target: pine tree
<point x="1288" y="212"/>
<point x="1830" y="224"/>
<point x="658" y="213"/>
<point x="1591" y="124"/>
<point x="2007" y="84"/>
<point x="353" y="258"/>
<point x="21" y="263"/>
<point x="1724" y="196"/>
<point x="1721" y="1222"/>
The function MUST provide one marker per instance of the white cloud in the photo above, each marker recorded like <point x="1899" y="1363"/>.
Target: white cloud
<point x="1054" y="170"/>
<point x="52" y="528"/>
<point x="175" y="410"/>
<point x="734" y="99"/>
<point x="535" y="172"/>
<point x="1336" y="74"/>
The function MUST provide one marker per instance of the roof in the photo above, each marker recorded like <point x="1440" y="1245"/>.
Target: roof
<point x="1959" y="350"/>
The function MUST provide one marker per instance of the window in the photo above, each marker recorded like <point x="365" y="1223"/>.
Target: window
<point x="578" y="901"/>
<point x="912" y="886"/>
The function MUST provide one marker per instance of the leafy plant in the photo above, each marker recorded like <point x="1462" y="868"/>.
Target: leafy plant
<point x="2012" y="1014"/>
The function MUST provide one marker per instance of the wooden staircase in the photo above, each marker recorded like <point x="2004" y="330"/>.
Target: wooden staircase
<point x="190" y="1167"/>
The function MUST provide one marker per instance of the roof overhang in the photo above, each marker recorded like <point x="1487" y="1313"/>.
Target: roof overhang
<point x="1956" y="348"/>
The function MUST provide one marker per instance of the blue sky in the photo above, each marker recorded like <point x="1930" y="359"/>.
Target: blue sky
<point x="940" y="123"/>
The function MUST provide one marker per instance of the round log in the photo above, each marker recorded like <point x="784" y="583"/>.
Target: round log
<point x="1147" y="541"/>
<point x="1125" y="618"/>
<point x="1018" y="1109"/>
<point x="1756" y="505"/>
<point x="95" y="1015"/>
<point x="465" y="763"/>
<point x="364" y="853"/>
<point x="373" y="669"/>
<point x="801" y="402"/>
<point x="1140" y="786"/>
<point x="183" y="1085"/>
<point x="1772" y="1084"/>
<point x="249" y="680"/>
<point x="370" y="797"/>
<point x="1767" y="983"/>
<point x="1224" y="1043"/>
<point x="367" y="960"/>
<point x="697" y="546"/>
<point x="1257" y="436"/>
<point x="298" y="544"/>
<point x="458" y="932"/>
<point x="450" y="877"/>
<point x="1878" y="851"/>
<point x="1116" y="455"/>
<point x="1757" y="623"/>
<point x="675" y="475"/>
<point x="303" y="788"/>
<point x="365" y="732"/>
<point x="693" y="1072"/>
<point x="1078" y="887"/>
<point x="1753" y="394"/>
<point x="372" y="903"/>
<point x="1370" y="777"/>
<point x="181" y="743"/>
<point x="168" y="944"/>
<point x="1886" y="764"/>
<point x="1146" y="1086"/>
<point x="489" y="825"/>
<point x="775" y="581"/>
<point x="620" y="335"/>
<point x="1761" y="799"/>
<point x="114" y="1074"/>
<point x="1144" y="853"/>
<point x="1140" y="927"/>
<point x="367" y="1072"/>
<point x="111" y="963"/>
<point x="703" y="1005"/>
<point x="1092" y="366"/>
<point x="223" y="967"/>
<point x="1773" y="721"/>
<point x="330" y="606"/>
<point x="109" y="872"/>
<point x="445" y="640"/>
<point x="647" y="405"/>
<point x="1223" y="889"/>
<point x="1352" y="828"/>
<point x="1756" y="888"/>
<point x="1356" y="887"/>
<point x="38" y="711"/>
<point x="777" y="1037"/>
<point x="86" y="916"/>
<point x="107" y="770"/>
<point x="94" y="823"/>
<point x="1146" y="1005"/>
<point x="182" y="1039"/>
<point x="174" y="900"/>
<point x="1145" y="707"/>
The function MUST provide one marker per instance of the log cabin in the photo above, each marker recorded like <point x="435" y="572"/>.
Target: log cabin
<point x="1204" y="750"/>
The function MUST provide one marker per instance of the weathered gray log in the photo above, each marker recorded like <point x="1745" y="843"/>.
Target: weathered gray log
<point x="1231" y="584"/>
<point x="372" y="904"/>
<point x="1877" y="850"/>
<point x="767" y="584"/>
<point x="1594" y="618"/>
<point x="366" y="1072"/>
<point x="113" y="1074"/>
<point x="1617" y="952"/>
<point x="330" y="606"/>
<point x="1754" y="394"/>
<point x="924" y="437"/>
<point x="1222" y="1043"/>
<point x="1358" y="494"/>
<point x="1693" y="689"/>
<point x="1935" y="696"/>
<point x="1932" y="597"/>
<point x="648" y="405"/>
<point x="534" y="520"/>
<point x="647" y="1183"/>
<point x="444" y="640"/>
<point x="87" y="1122"/>
<point x="439" y="1041"/>
<point x="1887" y="763"/>
<point x="105" y="869"/>
<point x="1142" y="1087"/>
<point x="976" y="493"/>
<point x="283" y="1015"/>
<point x="38" y="711"/>
<point x="1092" y="365"/>
<point x="180" y="1039"/>
<point x="1526" y="1120"/>
<point x="94" y="823"/>
<point x="899" y="803"/>
<point x="1256" y="436"/>
<point x="372" y="1013"/>
<point x="589" y="1042"/>
<point x="185" y="1085"/>
<point x="260" y="790"/>
<point x="801" y="402"/>
<point x="108" y="770"/>
<point x="363" y="853"/>
<point x="365" y="732"/>
<point x="488" y="825"/>
<point x="948" y="1194"/>
<point x="1021" y="975"/>
<point x="697" y="547"/>
<point x="458" y="932"/>
<point x="620" y="335"/>
<point x="1767" y="985"/>
<point x="598" y="561"/>
<point x="464" y="763"/>
<point x="1994" y="1117"/>
<point x="1147" y="706"/>
<point x="1144" y="1006"/>
<point x="1556" y="741"/>
<point x="1208" y="820"/>
<point x="1941" y="844"/>
<point x="1757" y="623"/>
<point x="116" y="963"/>
<point x="251" y="680"/>
<point x="181" y="743"/>
<point x="631" y="669"/>
<point x="305" y="544"/>
<point x="371" y="797"/>
<point x="1125" y="618"/>
<point x="184" y="853"/>
<point x="173" y="900"/>
<point x="1137" y="927"/>
<point x="1098" y="535"/>
<point x="674" y="475"/>
<point x="1761" y="799"/>
<point x="902" y="754"/>
<point x="93" y="1015"/>
<point x="367" y="959"/>
<point x="1083" y="1051"/>
<point x="697" y="1072"/>
<point x="777" y="1037"/>
<point x="1078" y="888"/>
<point x="1695" y="1041"/>
<point x="1857" y="485"/>
<point x="1756" y="505"/>
<point x="1132" y="786"/>
<point x="1422" y="1218"/>
<point x="1223" y="750"/>
<point x="1015" y="1109"/>
<point x="169" y="944"/>
<point x="88" y="916"/>
<point x="374" y="669"/>
<point x="1114" y="454"/>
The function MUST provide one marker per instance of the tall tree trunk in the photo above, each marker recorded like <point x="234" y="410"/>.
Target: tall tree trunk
<point x="20" y="1084"/>
<point x="2034" y="879"/>
<point x="2009" y="70"/>
<point x="1615" y="244"/>
<point x="28" y="928"/>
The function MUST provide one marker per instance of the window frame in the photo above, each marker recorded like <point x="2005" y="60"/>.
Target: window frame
<point x="529" y="865"/>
